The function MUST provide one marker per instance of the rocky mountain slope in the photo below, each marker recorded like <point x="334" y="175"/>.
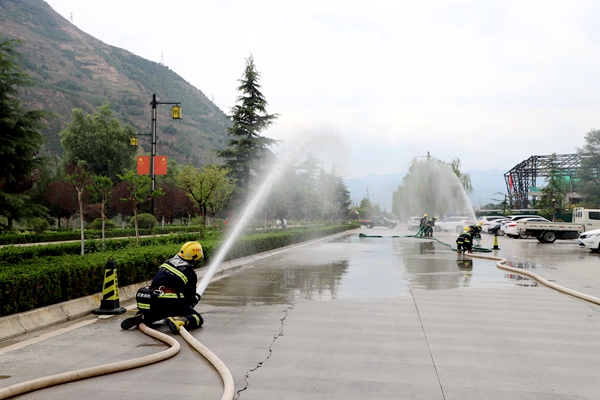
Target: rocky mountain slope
<point x="74" y="70"/>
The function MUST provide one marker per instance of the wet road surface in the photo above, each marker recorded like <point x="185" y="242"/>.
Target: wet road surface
<point x="360" y="318"/>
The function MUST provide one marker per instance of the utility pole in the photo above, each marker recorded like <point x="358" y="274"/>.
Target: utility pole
<point x="175" y="114"/>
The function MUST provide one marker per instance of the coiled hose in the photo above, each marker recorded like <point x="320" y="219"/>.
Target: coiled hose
<point x="53" y="380"/>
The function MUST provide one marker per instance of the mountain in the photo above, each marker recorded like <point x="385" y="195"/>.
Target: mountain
<point x="379" y="188"/>
<point x="486" y="185"/>
<point x="74" y="70"/>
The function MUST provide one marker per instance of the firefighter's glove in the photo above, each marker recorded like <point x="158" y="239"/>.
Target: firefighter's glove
<point x="196" y="299"/>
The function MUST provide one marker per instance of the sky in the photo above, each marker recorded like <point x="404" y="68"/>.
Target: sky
<point x="489" y="82"/>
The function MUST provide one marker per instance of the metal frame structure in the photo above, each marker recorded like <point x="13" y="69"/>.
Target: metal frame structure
<point x="522" y="177"/>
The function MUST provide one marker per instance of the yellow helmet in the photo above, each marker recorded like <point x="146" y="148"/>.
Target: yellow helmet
<point x="467" y="229"/>
<point x="480" y="223"/>
<point x="191" y="251"/>
<point x="424" y="215"/>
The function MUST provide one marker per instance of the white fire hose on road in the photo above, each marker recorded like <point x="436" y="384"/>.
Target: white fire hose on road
<point x="501" y="263"/>
<point x="53" y="380"/>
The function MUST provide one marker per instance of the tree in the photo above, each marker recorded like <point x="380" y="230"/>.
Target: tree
<point x="81" y="180"/>
<point x="98" y="142"/>
<point x="464" y="179"/>
<point x="20" y="140"/>
<point x="62" y="195"/>
<point x="208" y="186"/>
<point x="247" y="149"/>
<point x="138" y="191"/>
<point x="554" y="193"/>
<point x="589" y="174"/>
<point x="124" y="209"/>
<point x="174" y="204"/>
<point x="103" y="187"/>
<point x="219" y="197"/>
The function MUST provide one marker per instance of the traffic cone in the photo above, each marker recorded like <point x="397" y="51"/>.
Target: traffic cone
<point x="496" y="243"/>
<point x="110" y="291"/>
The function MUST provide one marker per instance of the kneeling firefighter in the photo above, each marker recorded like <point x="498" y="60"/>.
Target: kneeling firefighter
<point x="464" y="242"/>
<point x="172" y="295"/>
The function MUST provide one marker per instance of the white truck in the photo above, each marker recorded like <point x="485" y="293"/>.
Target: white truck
<point x="547" y="232"/>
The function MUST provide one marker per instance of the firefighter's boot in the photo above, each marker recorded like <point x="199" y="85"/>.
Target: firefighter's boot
<point x="174" y="323"/>
<point x="131" y="322"/>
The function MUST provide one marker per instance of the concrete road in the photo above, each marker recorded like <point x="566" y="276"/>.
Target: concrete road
<point x="357" y="318"/>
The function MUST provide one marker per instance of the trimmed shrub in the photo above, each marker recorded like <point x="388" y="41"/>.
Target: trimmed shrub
<point x="38" y="225"/>
<point x="146" y="221"/>
<point x="108" y="224"/>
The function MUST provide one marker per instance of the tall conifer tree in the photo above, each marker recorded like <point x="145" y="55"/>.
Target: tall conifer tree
<point x="20" y="140"/>
<point x="246" y="149"/>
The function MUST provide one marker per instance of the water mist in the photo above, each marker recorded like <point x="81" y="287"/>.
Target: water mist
<point x="432" y="187"/>
<point x="291" y="153"/>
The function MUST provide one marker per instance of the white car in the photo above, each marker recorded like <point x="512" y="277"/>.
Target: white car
<point x="454" y="224"/>
<point x="488" y="221"/>
<point x="510" y="227"/>
<point x="590" y="240"/>
<point x="414" y="223"/>
<point x="510" y="218"/>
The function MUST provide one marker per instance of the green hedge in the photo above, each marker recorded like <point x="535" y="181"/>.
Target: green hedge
<point x="59" y="236"/>
<point x="10" y="255"/>
<point x="49" y="279"/>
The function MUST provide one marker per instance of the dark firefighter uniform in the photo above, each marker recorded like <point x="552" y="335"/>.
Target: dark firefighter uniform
<point x="173" y="293"/>
<point x="464" y="242"/>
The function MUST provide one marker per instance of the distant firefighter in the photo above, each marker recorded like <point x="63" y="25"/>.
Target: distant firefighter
<point x="464" y="242"/>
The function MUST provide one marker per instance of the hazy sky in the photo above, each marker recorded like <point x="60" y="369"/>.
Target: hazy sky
<point x="489" y="82"/>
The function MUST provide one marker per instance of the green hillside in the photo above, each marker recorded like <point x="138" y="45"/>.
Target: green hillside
<point x="74" y="70"/>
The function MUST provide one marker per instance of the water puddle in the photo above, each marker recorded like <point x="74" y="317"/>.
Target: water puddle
<point x="355" y="267"/>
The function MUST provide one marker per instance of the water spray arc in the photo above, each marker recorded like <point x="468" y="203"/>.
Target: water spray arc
<point x="284" y="160"/>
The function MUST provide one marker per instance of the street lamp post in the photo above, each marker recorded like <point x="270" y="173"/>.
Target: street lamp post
<point x="175" y="114"/>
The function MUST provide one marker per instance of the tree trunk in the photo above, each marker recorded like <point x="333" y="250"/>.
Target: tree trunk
<point x="103" y="215"/>
<point x="135" y="217"/>
<point x="80" y="199"/>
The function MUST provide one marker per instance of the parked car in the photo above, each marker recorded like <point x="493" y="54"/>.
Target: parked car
<point x="454" y="224"/>
<point x="512" y="218"/>
<point x="495" y="226"/>
<point x="488" y="220"/>
<point x="414" y="223"/>
<point x="379" y="220"/>
<point x="590" y="240"/>
<point x="510" y="227"/>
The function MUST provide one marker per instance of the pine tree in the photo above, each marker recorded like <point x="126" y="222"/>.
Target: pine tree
<point x="20" y="140"/>
<point x="247" y="150"/>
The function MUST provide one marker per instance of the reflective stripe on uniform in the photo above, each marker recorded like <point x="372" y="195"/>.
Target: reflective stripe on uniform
<point x="168" y="296"/>
<point x="175" y="271"/>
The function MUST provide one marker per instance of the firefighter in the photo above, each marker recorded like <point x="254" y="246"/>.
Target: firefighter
<point x="464" y="242"/>
<point x="429" y="227"/>
<point x="423" y="220"/>
<point x="172" y="295"/>
<point x="476" y="230"/>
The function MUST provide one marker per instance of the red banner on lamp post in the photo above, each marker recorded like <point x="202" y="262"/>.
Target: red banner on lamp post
<point x="160" y="165"/>
<point x="143" y="165"/>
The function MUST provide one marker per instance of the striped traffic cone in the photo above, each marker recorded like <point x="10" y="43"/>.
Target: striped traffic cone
<point x="110" y="291"/>
<point x="496" y="243"/>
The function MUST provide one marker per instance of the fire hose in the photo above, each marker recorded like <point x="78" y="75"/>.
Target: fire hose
<point x="53" y="380"/>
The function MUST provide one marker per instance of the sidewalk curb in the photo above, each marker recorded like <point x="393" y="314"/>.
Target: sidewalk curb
<point x="15" y="325"/>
